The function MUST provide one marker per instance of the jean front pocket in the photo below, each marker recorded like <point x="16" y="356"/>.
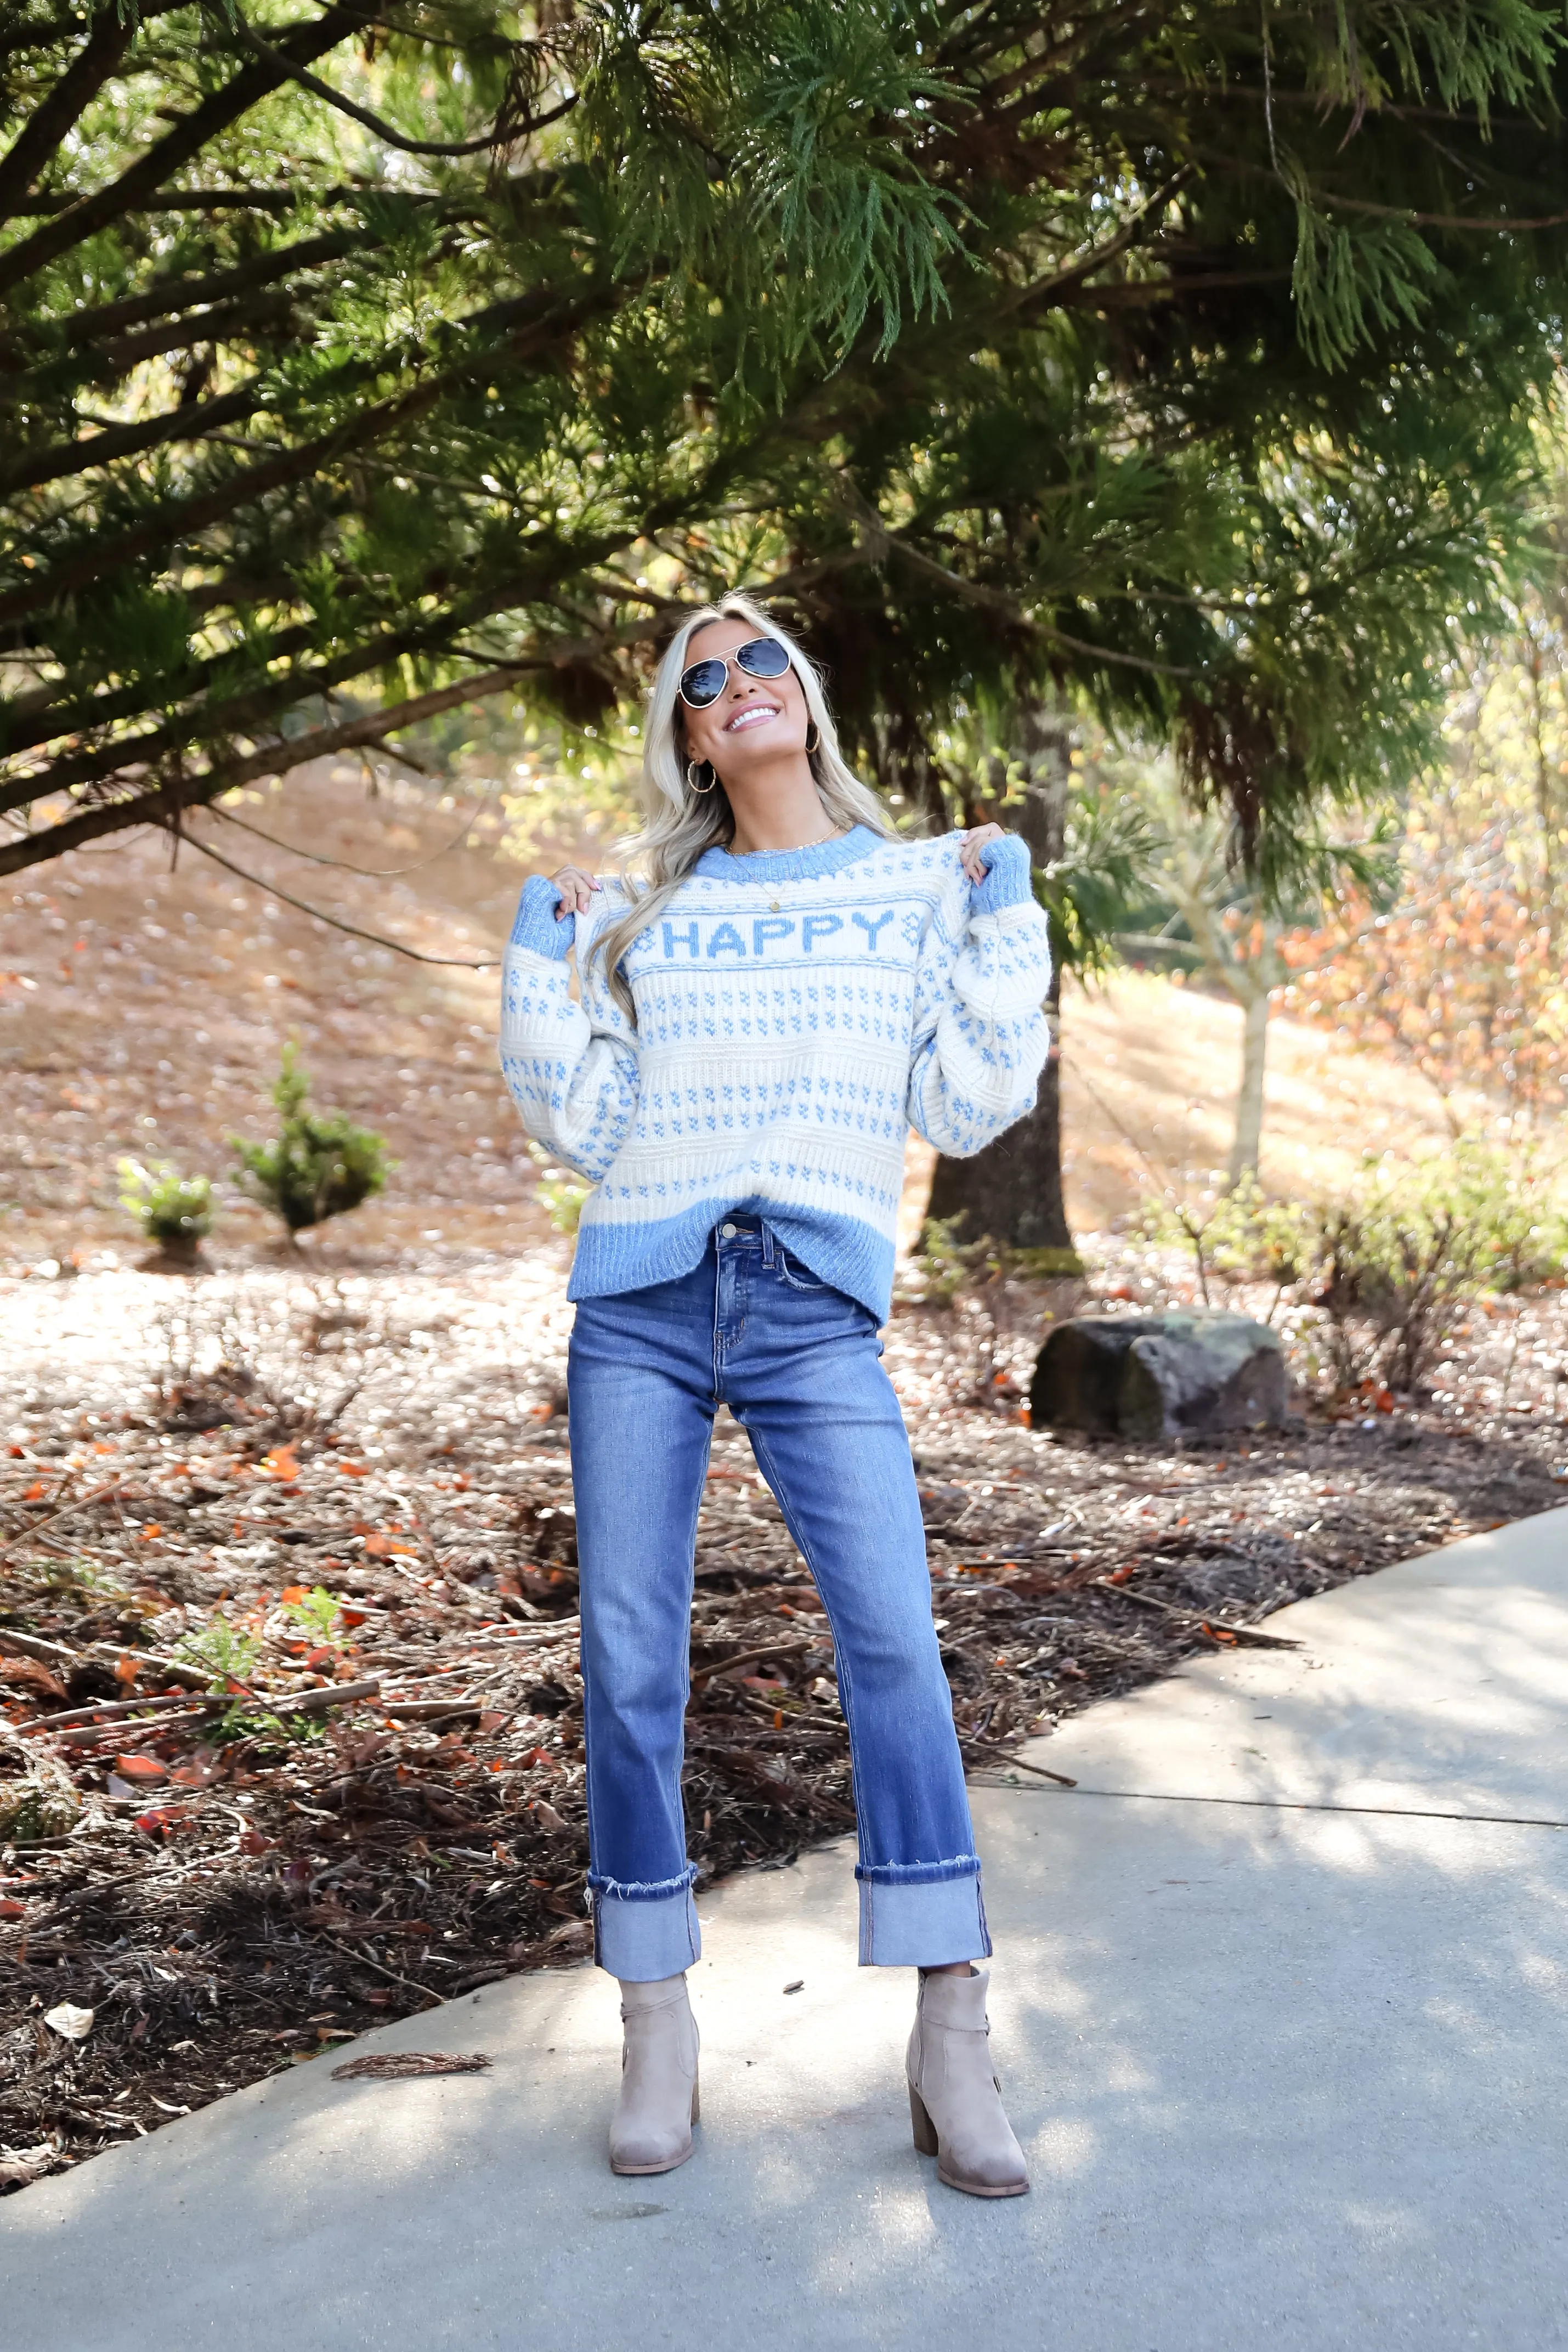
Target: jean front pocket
<point x="797" y="1276"/>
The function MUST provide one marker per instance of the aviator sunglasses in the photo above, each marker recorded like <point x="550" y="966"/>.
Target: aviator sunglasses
<point x="702" y="685"/>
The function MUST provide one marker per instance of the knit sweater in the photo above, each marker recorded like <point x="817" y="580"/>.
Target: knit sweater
<point x="797" y="1010"/>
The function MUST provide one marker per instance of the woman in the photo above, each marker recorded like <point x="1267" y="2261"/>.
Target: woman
<point x="788" y="987"/>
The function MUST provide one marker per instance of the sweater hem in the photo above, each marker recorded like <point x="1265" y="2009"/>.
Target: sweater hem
<point x="846" y="1253"/>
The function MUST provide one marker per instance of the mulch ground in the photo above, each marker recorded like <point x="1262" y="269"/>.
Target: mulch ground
<point x="227" y="1507"/>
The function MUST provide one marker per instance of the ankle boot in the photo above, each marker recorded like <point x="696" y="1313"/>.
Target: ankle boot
<point x="651" y="2128"/>
<point x="954" y="2099"/>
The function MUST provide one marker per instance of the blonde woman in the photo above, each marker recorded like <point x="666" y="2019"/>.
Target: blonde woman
<point x="778" y="988"/>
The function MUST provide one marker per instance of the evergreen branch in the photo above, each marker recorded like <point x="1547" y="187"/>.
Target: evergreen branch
<point x="281" y="201"/>
<point x="1502" y="225"/>
<point x="114" y="30"/>
<point x="266" y="309"/>
<point x="168" y="803"/>
<point x="346" y="865"/>
<point x="186" y="293"/>
<point x="49" y="721"/>
<point x="1043" y="292"/>
<point x="376" y="938"/>
<point x="431" y="637"/>
<point x="190" y="134"/>
<point x="998" y="601"/>
<point x="181" y="517"/>
<point x="494" y="137"/>
<point x="190" y="421"/>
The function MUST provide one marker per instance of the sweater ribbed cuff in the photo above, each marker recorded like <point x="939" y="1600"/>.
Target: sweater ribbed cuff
<point x="538" y="927"/>
<point x="1006" y="882"/>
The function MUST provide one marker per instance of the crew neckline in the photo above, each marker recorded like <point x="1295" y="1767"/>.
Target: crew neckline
<point x="787" y="865"/>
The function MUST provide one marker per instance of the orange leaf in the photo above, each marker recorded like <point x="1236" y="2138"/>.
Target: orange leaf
<point x="353" y="1616"/>
<point x="352" y="1469"/>
<point x="139" y="1768"/>
<point x="127" y="1670"/>
<point x="293" y="1592"/>
<point x="35" y="1492"/>
<point x="151" y="1529"/>
<point x="283" y="1461"/>
<point x="11" y="1909"/>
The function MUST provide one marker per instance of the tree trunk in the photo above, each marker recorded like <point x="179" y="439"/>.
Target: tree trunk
<point x="1248" y="1139"/>
<point x="1012" y="1190"/>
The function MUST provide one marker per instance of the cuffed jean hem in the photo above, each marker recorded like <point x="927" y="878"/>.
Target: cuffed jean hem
<point x="922" y="1923"/>
<point x="643" y="1942"/>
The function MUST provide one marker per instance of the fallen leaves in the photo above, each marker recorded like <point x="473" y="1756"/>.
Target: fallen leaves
<point x="403" y="2065"/>
<point x="71" y="2023"/>
<point x="247" y="1871"/>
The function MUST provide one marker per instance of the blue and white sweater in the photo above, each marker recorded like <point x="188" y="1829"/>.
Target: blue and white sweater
<point x="796" y="1011"/>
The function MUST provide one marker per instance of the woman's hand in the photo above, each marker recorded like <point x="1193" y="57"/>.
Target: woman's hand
<point x="973" y="842"/>
<point x="576" y="889"/>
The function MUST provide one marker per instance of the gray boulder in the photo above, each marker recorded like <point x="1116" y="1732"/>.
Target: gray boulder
<point x="1153" y="1376"/>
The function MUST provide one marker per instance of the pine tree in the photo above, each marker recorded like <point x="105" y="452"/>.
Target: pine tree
<point x="358" y="369"/>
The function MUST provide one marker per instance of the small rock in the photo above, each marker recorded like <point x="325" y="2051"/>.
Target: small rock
<point x="1159" y="1376"/>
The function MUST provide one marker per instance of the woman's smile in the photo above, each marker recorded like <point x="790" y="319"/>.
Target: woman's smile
<point x="753" y="714"/>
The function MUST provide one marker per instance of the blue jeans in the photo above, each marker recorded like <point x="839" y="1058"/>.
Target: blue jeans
<point x="797" y="1363"/>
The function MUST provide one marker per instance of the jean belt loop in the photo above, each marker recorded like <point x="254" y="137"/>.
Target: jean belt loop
<point x="767" y="1245"/>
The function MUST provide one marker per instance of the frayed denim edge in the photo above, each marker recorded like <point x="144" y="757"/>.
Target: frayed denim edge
<point x="657" y="1890"/>
<point x="919" y="1874"/>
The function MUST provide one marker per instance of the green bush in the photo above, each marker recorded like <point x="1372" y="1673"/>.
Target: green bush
<point x="1382" y="1272"/>
<point x="319" y="1614"/>
<point x="561" y="1194"/>
<point x="1245" y="1236"/>
<point x="318" y="1164"/>
<point x="223" y="1652"/>
<point x="172" y="1209"/>
<point x="1395" y="1262"/>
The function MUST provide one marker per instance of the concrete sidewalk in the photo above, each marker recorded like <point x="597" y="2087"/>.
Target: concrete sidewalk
<point x="1282" y="2031"/>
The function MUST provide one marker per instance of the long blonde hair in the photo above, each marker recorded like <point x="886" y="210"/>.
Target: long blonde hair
<point x="680" y="824"/>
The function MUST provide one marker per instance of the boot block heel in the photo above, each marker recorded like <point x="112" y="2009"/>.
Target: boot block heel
<point x="925" y="2129"/>
<point x="696" y="2103"/>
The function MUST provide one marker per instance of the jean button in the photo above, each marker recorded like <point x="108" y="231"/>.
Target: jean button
<point x="726" y="1232"/>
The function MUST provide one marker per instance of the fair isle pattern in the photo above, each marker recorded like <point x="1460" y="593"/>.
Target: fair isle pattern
<point x="797" y="1011"/>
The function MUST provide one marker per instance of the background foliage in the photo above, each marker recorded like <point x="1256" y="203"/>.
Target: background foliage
<point x="361" y="364"/>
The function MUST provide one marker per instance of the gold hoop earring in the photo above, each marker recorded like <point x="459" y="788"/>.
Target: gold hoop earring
<point x="813" y="738"/>
<point x="692" y="783"/>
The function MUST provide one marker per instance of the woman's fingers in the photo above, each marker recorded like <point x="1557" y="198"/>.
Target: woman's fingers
<point x="973" y="840"/>
<point x="576" y="888"/>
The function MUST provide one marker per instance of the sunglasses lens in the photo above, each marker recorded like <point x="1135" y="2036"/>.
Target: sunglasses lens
<point x="703" y="683"/>
<point x="763" y="657"/>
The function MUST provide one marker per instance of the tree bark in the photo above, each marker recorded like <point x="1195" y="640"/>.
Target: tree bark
<point x="1011" y="1191"/>
<point x="1248" y="1139"/>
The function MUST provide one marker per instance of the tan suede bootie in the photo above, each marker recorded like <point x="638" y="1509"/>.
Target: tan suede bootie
<point x="954" y="2099"/>
<point x="651" y="2128"/>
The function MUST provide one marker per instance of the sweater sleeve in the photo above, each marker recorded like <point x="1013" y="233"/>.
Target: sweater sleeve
<point x="980" y="1036"/>
<point x="572" y="1068"/>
